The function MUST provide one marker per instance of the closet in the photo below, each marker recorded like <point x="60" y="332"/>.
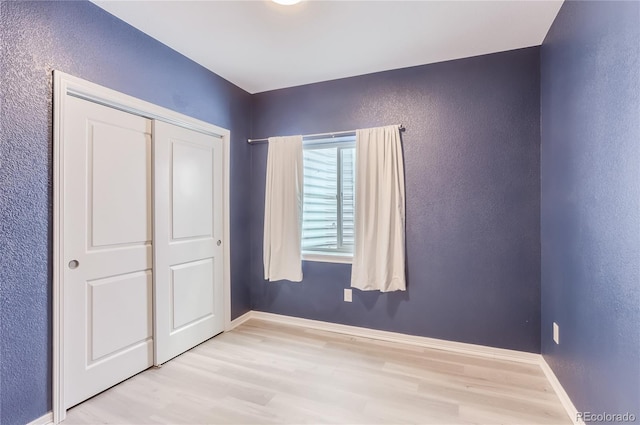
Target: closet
<point x="140" y="219"/>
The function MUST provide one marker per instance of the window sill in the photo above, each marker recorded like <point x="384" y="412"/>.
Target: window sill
<point x="327" y="258"/>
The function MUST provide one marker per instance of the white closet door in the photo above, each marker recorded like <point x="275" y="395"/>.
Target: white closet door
<point x="188" y="262"/>
<point x="107" y="248"/>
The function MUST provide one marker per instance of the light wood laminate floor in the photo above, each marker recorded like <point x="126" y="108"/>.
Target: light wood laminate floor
<point x="265" y="373"/>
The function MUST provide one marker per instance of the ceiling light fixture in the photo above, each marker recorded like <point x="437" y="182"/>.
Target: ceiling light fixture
<point x="286" y="2"/>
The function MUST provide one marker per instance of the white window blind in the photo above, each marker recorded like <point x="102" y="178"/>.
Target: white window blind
<point x="328" y="208"/>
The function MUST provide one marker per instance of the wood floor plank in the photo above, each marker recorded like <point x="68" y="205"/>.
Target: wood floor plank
<point x="266" y="373"/>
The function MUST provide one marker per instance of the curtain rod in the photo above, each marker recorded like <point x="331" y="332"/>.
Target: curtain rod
<point x="333" y="134"/>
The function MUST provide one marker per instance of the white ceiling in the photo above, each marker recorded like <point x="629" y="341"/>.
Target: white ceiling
<point x="259" y="45"/>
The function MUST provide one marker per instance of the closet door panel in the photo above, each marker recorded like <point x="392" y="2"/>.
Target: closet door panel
<point x="107" y="248"/>
<point x="187" y="239"/>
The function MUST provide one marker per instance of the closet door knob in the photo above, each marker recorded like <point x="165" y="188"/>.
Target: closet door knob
<point x="219" y="242"/>
<point x="73" y="264"/>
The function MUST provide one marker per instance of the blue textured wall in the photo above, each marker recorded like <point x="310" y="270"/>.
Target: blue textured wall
<point x="590" y="157"/>
<point x="472" y="166"/>
<point x="81" y="39"/>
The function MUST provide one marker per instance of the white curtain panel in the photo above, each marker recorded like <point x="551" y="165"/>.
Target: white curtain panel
<point x="282" y="253"/>
<point x="379" y="252"/>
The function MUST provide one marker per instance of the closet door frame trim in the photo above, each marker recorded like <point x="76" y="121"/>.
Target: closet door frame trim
<point x="67" y="85"/>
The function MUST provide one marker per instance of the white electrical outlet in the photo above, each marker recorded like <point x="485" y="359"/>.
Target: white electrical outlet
<point x="347" y="295"/>
<point x="556" y="333"/>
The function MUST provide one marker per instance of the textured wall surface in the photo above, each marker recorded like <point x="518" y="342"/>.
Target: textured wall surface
<point x="590" y="219"/>
<point x="472" y="166"/>
<point x="82" y="40"/>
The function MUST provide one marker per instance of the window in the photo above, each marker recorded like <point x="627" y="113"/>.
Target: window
<point x="328" y="208"/>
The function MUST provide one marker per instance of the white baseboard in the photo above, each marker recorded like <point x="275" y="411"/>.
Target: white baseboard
<point x="439" y="344"/>
<point x="560" y="392"/>
<point x="43" y="420"/>
<point x="238" y="321"/>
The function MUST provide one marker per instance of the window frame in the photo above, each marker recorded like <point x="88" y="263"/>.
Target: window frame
<point x="340" y="143"/>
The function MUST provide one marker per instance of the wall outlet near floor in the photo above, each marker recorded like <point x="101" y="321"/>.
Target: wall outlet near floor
<point x="347" y="295"/>
<point x="556" y="333"/>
